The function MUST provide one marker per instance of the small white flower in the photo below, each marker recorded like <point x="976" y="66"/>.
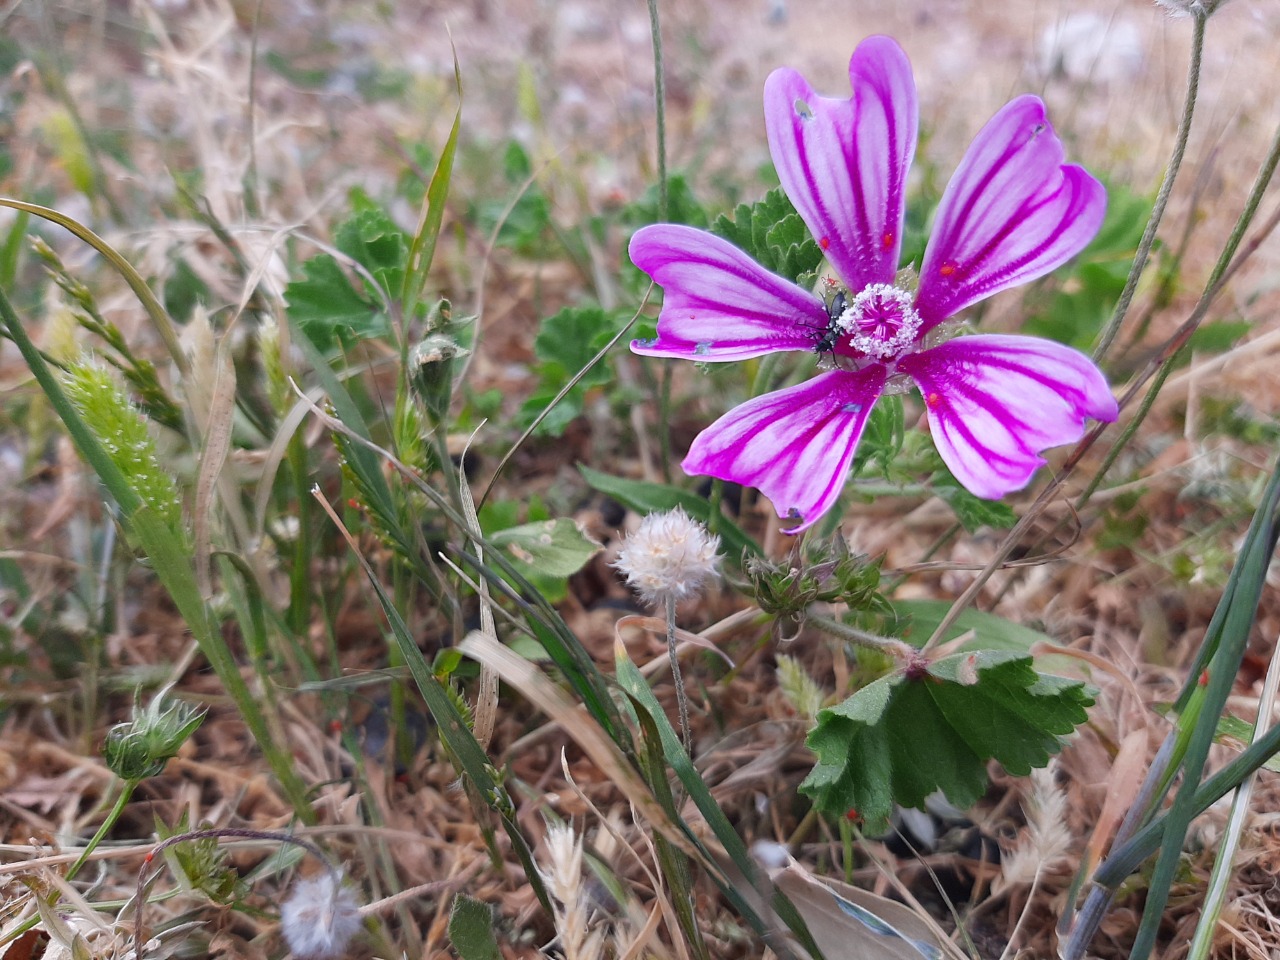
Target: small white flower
<point x="320" y="917"/>
<point x="670" y="555"/>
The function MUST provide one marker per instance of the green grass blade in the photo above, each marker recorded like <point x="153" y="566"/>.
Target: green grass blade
<point x="159" y="317"/>
<point x="1248" y="578"/>
<point x="170" y="559"/>
<point x="637" y="687"/>
<point x="423" y="248"/>
<point x="454" y="731"/>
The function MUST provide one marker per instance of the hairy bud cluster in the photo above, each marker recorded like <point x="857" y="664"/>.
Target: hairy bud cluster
<point x="140" y="748"/>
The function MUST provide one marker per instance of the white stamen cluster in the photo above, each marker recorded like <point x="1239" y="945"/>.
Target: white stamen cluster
<point x="881" y="321"/>
<point x="670" y="555"/>
<point x="321" y="917"/>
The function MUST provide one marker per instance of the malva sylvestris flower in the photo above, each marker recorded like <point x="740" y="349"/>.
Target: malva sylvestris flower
<point x="1012" y="212"/>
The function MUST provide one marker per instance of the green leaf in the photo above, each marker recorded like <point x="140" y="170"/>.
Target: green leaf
<point x="903" y="737"/>
<point x="372" y="239"/>
<point x="975" y="512"/>
<point x="422" y="248"/>
<point x="772" y="232"/>
<point x="1217" y="336"/>
<point x="567" y="342"/>
<point x="327" y="308"/>
<point x="471" y="929"/>
<point x="645" y="497"/>
<point x="557" y="548"/>
<point x="990" y="632"/>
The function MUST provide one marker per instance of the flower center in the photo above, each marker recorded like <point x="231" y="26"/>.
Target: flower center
<point x="880" y="321"/>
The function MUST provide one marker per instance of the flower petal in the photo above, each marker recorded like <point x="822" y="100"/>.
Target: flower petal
<point x="1012" y="212"/>
<point x="994" y="402"/>
<point x="794" y="445"/>
<point x="843" y="163"/>
<point x="718" y="303"/>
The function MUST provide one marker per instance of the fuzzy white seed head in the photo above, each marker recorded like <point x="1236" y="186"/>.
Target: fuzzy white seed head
<point x="670" y="555"/>
<point x="321" y="917"/>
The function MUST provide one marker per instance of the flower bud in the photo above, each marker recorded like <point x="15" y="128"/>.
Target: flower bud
<point x="140" y="748"/>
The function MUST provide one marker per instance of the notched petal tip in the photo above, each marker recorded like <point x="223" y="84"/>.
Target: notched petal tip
<point x="795" y="445"/>
<point x="843" y="162"/>
<point x="1012" y="212"/>
<point x="718" y="303"/>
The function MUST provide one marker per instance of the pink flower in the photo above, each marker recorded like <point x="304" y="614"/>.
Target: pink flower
<point x="1012" y="212"/>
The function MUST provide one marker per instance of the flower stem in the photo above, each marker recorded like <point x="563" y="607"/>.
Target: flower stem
<point x="116" y="810"/>
<point x="660" y="113"/>
<point x="660" y="107"/>
<point x="1200" y="18"/>
<point x="681" y="698"/>
<point x="890" y="646"/>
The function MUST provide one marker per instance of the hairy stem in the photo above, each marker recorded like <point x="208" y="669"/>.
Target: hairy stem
<point x="682" y="699"/>
<point x="1166" y="188"/>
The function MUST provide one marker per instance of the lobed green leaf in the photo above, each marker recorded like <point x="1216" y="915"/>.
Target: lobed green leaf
<point x="903" y="737"/>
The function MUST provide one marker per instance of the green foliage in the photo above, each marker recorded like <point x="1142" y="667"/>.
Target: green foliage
<point x="326" y="305"/>
<point x="372" y="239"/>
<point x="682" y="205"/>
<point x="933" y="726"/>
<point x="827" y="573"/>
<point x="545" y="552"/>
<point x="556" y="548"/>
<point x="566" y="342"/>
<point x="919" y="618"/>
<point x="1234" y="417"/>
<point x="327" y="308"/>
<point x="183" y="290"/>
<point x="774" y="235"/>
<point x="202" y="863"/>
<point x="1237" y="733"/>
<point x="471" y="929"/>
<point x="1216" y="336"/>
<point x="645" y="497"/>
<point x="1090" y="286"/>
<point x="882" y="439"/>
<point x="974" y="512"/>
<point x="524" y="223"/>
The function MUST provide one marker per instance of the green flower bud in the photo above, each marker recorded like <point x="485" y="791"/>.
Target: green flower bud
<point x="140" y="748"/>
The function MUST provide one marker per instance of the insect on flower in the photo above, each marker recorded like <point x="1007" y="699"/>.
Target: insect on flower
<point x="1012" y="212"/>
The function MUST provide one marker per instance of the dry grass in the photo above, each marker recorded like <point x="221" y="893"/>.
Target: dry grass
<point x="171" y="81"/>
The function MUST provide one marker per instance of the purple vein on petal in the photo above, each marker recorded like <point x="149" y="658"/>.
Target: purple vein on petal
<point x="843" y="163"/>
<point x="795" y="445"/>
<point x="718" y="303"/>
<point x="995" y="402"/>
<point x="1012" y="212"/>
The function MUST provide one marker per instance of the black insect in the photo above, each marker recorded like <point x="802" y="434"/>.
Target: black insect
<point x="831" y="336"/>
